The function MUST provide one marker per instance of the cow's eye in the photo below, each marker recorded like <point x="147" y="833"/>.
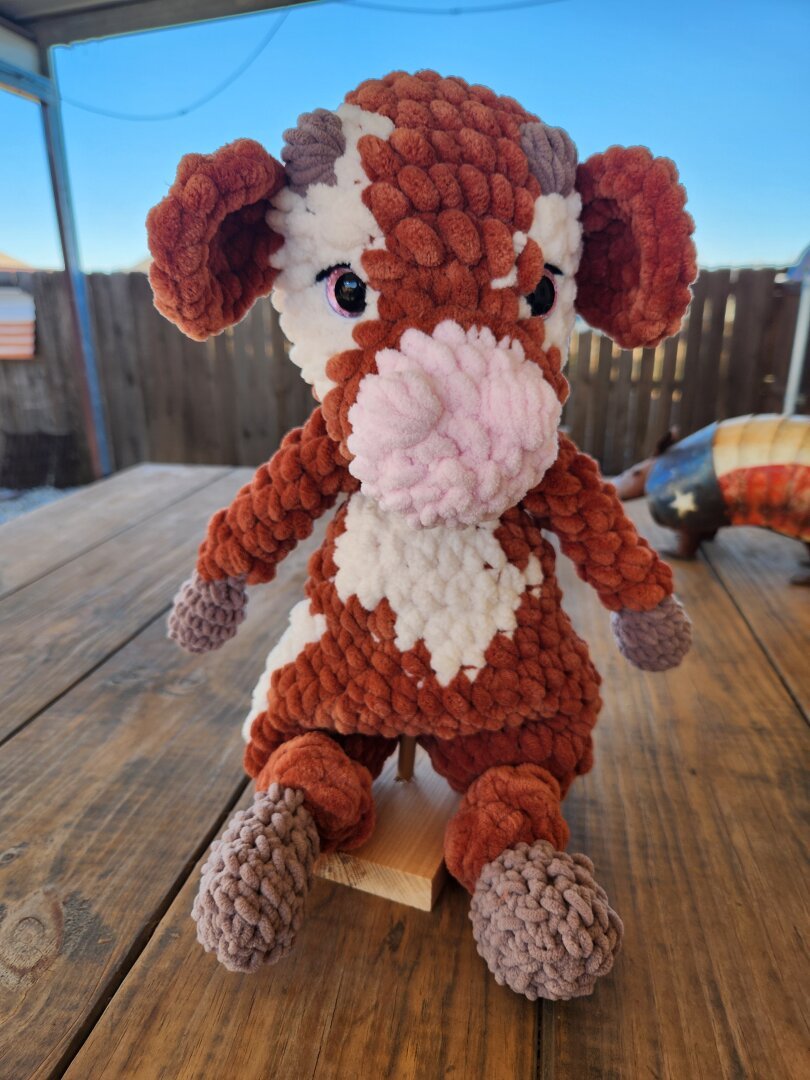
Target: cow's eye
<point x="544" y="296"/>
<point x="345" y="290"/>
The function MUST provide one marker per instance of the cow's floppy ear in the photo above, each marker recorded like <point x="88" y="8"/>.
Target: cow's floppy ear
<point x="638" y="257"/>
<point x="209" y="240"/>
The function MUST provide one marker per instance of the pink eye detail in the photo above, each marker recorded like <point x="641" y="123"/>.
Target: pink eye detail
<point x="543" y="298"/>
<point x="345" y="291"/>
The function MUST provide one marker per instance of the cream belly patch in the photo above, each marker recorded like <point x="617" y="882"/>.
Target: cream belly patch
<point x="452" y="588"/>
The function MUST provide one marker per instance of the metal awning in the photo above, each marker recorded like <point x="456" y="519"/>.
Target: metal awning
<point x="28" y="31"/>
<point x="60" y="22"/>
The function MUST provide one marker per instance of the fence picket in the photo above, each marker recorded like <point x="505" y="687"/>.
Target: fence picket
<point x="599" y="399"/>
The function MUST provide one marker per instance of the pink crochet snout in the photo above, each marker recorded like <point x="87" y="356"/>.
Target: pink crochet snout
<point x="454" y="428"/>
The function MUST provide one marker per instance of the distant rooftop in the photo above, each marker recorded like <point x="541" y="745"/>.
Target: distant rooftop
<point x="8" y="262"/>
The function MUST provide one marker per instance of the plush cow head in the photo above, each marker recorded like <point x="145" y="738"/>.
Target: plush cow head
<point x="427" y="245"/>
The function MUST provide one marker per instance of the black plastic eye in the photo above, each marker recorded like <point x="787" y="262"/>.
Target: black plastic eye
<point x="544" y="297"/>
<point x="346" y="292"/>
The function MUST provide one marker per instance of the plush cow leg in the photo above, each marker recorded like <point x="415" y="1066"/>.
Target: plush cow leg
<point x="540" y="919"/>
<point x="311" y="797"/>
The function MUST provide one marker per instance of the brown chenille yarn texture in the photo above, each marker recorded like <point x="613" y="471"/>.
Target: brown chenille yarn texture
<point x="587" y="515"/>
<point x="449" y="188"/>
<point x="355" y="679"/>
<point x="256" y="879"/>
<point x="276" y="510"/>
<point x="505" y="806"/>
<point x="337" y="789"/>
<point x="453" y="189"/>
<point x="543" y="923"/>
<point x="209" y="241"/>
<point x="635" y="229"/>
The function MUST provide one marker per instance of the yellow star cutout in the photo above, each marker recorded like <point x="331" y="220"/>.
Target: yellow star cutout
<point x="684" y="503"/>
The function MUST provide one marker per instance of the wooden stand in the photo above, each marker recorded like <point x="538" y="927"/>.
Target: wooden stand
<point x="404" y="859"/>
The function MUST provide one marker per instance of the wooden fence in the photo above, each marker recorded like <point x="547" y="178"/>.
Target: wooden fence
<point x="230" y="400"/>
<point x="731" y="357"/>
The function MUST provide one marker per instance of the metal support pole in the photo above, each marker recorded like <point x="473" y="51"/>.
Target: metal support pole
<point x="799" y="348"/>
<point x="87" y="367"/>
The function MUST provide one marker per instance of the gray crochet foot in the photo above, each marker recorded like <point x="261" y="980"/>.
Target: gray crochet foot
<point x="543" y="924"/>
<point x="255" y="881"/>
<point x="206" y="614"/>
<point x="654" y="640"/>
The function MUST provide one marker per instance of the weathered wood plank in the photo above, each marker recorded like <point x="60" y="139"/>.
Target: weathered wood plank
<point x="711" y="346"/>
<point x="580" y="388"/>
<point x="597" y="419"/>
<point x="40" y="400"/>
<point x="257" y="427"/>
<point x="618" y="407"/>
<point x="59" y="627"/>
<point x="224" y="372"/>
<point x="38" y="542"/>
<point x="777" y="346"/>
<point x="642" y="445"/>
<point x="754" y="290"/>
<point x="691" y="367"/>
<point x="756" y="566"/>
<point x="175" y="400"/>
<point x="661" y="419"/>
<point x="373" y="989"/>
<point x="109" y="797"/>
<point x="65" y="366"/>
<point x="692" y="815"/>
<point x="119" y="367"/>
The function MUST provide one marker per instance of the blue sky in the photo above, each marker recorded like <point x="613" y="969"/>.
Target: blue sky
<point x="718" y="85"/>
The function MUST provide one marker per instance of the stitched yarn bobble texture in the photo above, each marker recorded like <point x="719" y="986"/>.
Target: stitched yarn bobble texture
<point x="469" y="233"/>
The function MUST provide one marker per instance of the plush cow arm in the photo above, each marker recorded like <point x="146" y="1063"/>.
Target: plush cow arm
<point x="245" y="542"/>
<point x="652" y="630"/>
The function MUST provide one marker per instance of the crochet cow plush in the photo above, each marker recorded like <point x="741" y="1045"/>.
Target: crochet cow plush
<point x="427" y="245"/>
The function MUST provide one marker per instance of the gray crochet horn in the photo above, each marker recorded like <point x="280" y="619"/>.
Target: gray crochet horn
<point x="311" y="149"/>
<point x="552" y="156"/>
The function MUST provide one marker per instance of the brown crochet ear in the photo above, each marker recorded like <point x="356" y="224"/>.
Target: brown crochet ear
<point x="638" y="257"/>
<point x="209" y="239"/>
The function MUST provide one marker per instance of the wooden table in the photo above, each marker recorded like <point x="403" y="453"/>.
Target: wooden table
<point x="120" y="759"/>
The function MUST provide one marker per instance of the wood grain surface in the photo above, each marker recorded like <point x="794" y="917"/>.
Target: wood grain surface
<point x="755" y="566"/>
<point x="38" y="542"/>
<point x="62" y="625"/>
<point x="373" y="989"/>
<point x="110" y="795"/>
<point x="693" y="816"/>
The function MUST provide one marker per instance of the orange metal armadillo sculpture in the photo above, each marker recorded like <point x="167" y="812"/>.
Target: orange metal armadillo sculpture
<point x="751" y="470"/>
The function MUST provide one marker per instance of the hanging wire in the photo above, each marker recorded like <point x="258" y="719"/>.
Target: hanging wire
<point x="459" y="9"/>
<point x="369" y="5"/>
<point x="194" y="105"/>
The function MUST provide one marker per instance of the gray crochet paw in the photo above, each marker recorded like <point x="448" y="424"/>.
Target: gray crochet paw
<point x="542" y="922"/>
<point x="206" y="614"/>
<point x="255" y="881"/>
<point x="654" y="640"/>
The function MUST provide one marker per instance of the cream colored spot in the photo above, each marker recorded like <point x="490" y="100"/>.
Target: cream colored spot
<point x="452" y="588"/>
<point x="304" y="629"/>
